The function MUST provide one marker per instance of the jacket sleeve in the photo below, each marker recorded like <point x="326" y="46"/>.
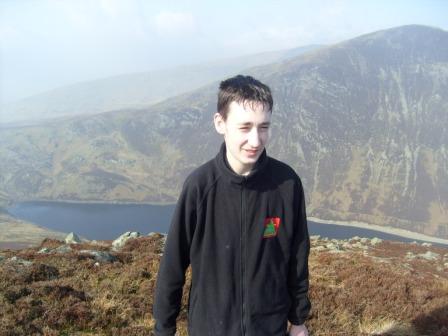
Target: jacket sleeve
<point x="298" y="282"/>
<point x="175" y="260"/>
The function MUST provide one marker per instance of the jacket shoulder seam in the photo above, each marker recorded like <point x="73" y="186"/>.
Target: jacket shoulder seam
<point x="207" y="190"/>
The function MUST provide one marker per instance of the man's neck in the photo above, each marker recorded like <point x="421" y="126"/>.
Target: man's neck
<point x="237" y="167"/>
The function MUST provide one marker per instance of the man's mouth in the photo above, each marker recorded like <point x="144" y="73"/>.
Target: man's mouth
<point x="251" y="152"/>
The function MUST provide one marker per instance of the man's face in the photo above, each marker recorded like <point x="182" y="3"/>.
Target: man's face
<point x="246" y="133"/>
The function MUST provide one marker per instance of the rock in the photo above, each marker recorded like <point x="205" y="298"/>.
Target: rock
<point x="429" y="255"/>
<point x="72" y="238"/>
<point x="315" y="237"/>
<point x="347" y="245"/>
<point x="100" y="256"/>
<point x="63" y="249"/>
<point x="319" y="248"/>
<point x="360" y="245"/>
<point x="364" y="240"/>
<point x="410" y="256"/>
<point x="121" y="241"/>
<point x="445" y="265"/>
<point x="426" y="244"/>
<point x="334" y="248"/>
<point x="20" y="261"/>
<point x="355" y="238"/>
<point x="44" y="250"/>
<point x="376" y="241"/>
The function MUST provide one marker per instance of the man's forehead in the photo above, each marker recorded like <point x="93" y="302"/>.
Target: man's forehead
<point x="248" y="112"/>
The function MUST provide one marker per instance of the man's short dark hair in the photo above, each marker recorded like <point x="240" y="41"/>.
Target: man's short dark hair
<point x="243" y="89"/>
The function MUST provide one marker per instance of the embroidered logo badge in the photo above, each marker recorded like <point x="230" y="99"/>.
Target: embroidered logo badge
<point x="271" y="225"/>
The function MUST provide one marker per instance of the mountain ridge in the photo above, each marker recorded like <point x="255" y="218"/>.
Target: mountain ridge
<point x="135" y="90"/>
<point x="365" y="133"/>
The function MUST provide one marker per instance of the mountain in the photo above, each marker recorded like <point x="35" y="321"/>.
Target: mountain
<point x="363" y="122"/>
<point x="358" y="287"/>
<point x="133" y="90"/>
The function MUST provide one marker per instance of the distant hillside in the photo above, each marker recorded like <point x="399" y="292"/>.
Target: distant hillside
<point x="16" y="233"/>
<point x="363" y="122"/>
<point x="133" y="90"/>
<point x="358" y="287"/>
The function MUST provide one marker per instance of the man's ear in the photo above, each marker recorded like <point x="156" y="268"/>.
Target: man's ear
<point x="220" y="124"/>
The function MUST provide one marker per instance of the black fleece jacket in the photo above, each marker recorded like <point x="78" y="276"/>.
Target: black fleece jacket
<point x="247" y="241"/>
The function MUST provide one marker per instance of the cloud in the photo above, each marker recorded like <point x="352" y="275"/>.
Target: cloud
<point x="174" y="24"/>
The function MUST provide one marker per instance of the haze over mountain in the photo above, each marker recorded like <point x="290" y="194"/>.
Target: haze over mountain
<point x="363" y="122"/>
<point x="133" y="90"/>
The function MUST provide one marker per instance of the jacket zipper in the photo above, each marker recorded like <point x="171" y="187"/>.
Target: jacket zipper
<point x="243" y="259"/>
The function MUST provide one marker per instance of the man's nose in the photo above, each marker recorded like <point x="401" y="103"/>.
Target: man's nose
<point x="254" y="138"/>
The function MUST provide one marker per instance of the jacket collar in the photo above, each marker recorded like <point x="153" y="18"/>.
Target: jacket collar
<point x="221" y="160"/>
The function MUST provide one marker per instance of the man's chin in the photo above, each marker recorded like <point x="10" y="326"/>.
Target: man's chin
<point x="251" y="160"/>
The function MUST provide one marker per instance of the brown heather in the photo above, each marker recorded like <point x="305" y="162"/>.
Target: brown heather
<point x="358" y="289"/>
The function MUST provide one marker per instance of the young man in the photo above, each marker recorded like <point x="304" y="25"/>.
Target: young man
<point x="240" y="222"/>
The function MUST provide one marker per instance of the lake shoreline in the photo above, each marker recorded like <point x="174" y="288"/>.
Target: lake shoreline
<point x="90" y="202"/>
<point x="356" y="224"/>
<point x="385" y="229"/>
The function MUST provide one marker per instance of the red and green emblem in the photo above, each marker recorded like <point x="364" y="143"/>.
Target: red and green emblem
<point x="271" y="225"/>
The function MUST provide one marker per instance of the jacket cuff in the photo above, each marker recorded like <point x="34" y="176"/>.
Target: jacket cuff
<point x="164" y="332"/>
<point x="297" y="321"/>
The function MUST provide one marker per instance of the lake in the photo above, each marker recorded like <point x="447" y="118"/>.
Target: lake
<point x="108" y="221"/>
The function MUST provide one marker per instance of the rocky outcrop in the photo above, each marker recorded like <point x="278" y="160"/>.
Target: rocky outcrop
<point x="19" y="261"/>
<point x="72" y="238"/>
<point x="121" y="241"/>
<point x="99" y="256"/>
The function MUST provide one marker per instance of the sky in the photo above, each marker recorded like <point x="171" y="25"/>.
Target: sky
<point x="45" y="44"/>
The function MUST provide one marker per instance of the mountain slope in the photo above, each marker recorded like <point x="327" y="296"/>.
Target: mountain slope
<point x="370" y="120"/>
<point x="363" y="122"/>
<point x="133" y="90"/>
